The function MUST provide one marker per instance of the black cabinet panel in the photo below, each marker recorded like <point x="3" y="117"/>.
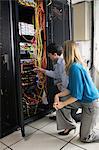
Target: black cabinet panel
<point x="8" y="89"/>
<point x="58" y="22"/>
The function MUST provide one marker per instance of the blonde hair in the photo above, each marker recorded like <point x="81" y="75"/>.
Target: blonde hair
<point x="71" y="54"/>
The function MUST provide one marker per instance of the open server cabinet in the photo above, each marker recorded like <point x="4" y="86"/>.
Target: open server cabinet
<point x="28" y="26"/>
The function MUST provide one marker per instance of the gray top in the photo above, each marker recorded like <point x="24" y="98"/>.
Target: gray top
<point x="59" y="74"/>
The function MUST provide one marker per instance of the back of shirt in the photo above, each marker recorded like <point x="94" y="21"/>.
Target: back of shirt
<point x="81" y="85"/>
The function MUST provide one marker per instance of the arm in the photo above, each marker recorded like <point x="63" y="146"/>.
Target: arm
<point x="76" y="87"/>
<point x="57" y="96"/>
<point x="63" y="93"/>
<point x="49" y="73"/>
<point x="59" y="72"/>
<point x="37" y="69"/>
<point x="58" y="105"/>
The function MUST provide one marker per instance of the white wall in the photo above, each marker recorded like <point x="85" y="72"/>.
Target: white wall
<point x="96" y="40"/>
<point x="82" y="21"/>
<point x="77" y="1"/>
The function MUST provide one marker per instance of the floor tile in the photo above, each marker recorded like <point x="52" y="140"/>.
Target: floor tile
<point x="39" y="141"/>
<point x="2" y="146"/>
<point x="16" y="136"/>
<point x="71" y="147"/>
<point x="88" y="146"/>
<point x="41" y="122"/>
<point x="52" y="129"/>
<point x="29" y="130"/>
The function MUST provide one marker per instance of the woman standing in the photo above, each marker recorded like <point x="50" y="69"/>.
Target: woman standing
<point x="81" y="93"/>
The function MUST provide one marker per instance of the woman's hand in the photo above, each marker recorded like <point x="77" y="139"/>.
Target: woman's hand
<point x="57" y="104"/>
<point x="60" y="105"/>
<point x="70" y="100"/>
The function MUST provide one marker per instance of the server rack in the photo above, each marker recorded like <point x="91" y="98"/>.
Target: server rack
<point x="31" y="89"/>
<point x="59" y="24"/>
<point x="18" y="101"/>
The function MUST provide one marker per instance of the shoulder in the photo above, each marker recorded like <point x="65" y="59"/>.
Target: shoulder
<point x="76" y="67"/>
<point x="60" y="61"/>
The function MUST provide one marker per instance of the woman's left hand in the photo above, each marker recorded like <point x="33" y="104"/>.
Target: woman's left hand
<point x="60" y="105"/>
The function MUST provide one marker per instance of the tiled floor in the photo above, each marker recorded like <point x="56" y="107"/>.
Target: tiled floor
<point x="42" y="135"/>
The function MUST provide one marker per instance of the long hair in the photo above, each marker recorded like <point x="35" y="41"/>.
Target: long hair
<point x="71" y="54"/>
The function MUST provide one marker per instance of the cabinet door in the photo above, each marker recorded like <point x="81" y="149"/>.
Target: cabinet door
<point x="8" y="109"/>
<point x="58" y="22"/>
<point x="9" y="102"/>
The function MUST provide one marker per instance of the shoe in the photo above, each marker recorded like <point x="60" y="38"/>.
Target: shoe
<point x="52" y="117"/>
<point x="77" y="117"/>
<point x="66" y="133"/>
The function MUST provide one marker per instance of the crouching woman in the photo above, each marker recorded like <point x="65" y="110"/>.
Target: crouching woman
<point x="82" y="93"/>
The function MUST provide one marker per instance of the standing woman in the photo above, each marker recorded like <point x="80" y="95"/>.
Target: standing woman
<point x="82" y="93"/>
